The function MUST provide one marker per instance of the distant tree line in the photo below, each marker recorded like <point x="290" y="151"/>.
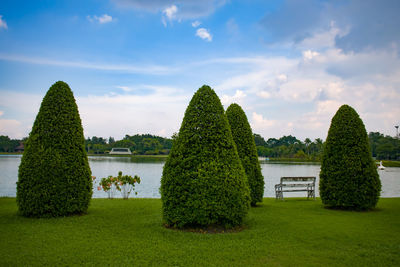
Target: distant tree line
<point x="9" y="145"/>
<point x="140" y="144"/>
<point x="382" y="147"/>
<point x="289" y="147"/>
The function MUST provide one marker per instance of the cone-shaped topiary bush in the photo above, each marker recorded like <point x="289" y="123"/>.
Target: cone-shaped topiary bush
<point x="348" y="177"/>
<point x="54" y="177"/>
<point x="246" y="147"/>
<point x="203" y="181"/>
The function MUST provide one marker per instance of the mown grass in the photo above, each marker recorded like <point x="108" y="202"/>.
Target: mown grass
<point x="120" y="232"/>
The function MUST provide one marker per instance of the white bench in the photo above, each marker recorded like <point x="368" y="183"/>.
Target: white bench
<point x="296" y="184"/>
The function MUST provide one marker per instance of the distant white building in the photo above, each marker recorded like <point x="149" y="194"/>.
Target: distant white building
<point x="120" y="151"/>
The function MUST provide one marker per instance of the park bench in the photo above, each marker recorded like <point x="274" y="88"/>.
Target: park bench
<point x="295" y="184"/>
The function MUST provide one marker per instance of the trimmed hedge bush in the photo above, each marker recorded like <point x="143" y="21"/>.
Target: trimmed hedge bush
<point x="246" y="147"/>
<point x="54" y="177"/>
<point x="348" y="177"/>
<point x="203" y="181"/>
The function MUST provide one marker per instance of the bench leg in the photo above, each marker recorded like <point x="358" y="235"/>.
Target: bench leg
<point x="278" y="195"/>
<point x="311" y="194"/>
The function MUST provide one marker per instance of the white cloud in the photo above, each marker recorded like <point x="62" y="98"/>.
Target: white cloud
<point x="169" y="13"/>
<point x="282" y="78"/>
<point x="119" y="114"/>
<point x="188" y="9"/>
<point x="264" y="94"/>
<point x="114" y="114"/>
<point x="204" y="34"/>
<point x="261" y="125"/>
<point x="3" y="23"/>
<point x="12" y="128"/>
<point x="308" y="55"/>
<point x="196" y="24"/>
<point x="303" y="93"/>
<point x="263" y="79"/>
<point x="300" y="89"/>
<point x="105" y="19"/>
<point x="101" y="20"/>
<point x="295" y="95"/>
<point x="163" y="132"/>
<point x="323" y="39"/>
<point x="28" y="104"/>
<point x="258" y="120"/>
<point x="125" y="88"/>
<point x="239" y="95"/>
<point x="127" y="68"/>
<point x="20" y="117"/>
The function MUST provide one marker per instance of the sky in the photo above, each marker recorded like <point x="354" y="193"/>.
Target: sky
<point x="133" y="65"/>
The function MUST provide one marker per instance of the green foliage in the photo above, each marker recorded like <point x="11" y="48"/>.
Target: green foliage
<point x="54" y="177"/>
<point x="300" y="155"/>
<point x="384" y="147"/>
<point x="106" y="183"/>
<point x="149" y="144"/>
<point x="348" y="177"/>
<point x="246" y="147"/>
<point x="7" y="144"/>
<point x="203" y="181"/>
<point x="140" y="144"/>
<point x="96" y="145"/>
<point x="259" y="140"/>
<point x="289" y="147"/>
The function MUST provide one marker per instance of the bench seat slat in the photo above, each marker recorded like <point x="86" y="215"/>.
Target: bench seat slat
<point x="295" y="190"/>
<point x="297" y="179"/>
<point x="296" y="184"/>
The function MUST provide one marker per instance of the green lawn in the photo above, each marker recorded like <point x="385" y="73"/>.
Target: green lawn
<point x="120" y="232"/>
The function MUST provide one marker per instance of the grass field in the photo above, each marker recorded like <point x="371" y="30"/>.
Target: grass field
<point x="120" y="232"/>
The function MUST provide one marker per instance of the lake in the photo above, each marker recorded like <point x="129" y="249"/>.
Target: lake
<point x="150" y="171"/>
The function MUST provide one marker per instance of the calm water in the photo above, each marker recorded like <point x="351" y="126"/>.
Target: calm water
<point x="150" y="172"/>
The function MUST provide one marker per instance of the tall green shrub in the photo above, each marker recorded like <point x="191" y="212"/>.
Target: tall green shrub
<point x="246" y="147"/>
<point x="203" y="181"/>
<point x="348" y="177"/>
<point x="54" y="177"/>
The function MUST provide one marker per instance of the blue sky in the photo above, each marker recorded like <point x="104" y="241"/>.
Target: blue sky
<point x="134" y="65"/>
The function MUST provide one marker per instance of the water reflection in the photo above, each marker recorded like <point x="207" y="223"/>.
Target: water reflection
<point x="150" y="171"/>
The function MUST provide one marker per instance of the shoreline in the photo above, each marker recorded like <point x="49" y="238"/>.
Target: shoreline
<point x="386" y="163"/>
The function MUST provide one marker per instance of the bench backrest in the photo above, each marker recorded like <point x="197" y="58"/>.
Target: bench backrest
<point x="303" y="179"/>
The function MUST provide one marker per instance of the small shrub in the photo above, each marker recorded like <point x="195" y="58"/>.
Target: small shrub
<point x="54" y="177"/>
<point x="122" y="183"/>
<point x="246" y="147"/>
<point x="203" y="181"/>
<point x="348" y="177"/>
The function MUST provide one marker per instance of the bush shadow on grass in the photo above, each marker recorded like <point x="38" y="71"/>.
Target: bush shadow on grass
<point x="352" y="209"/>
<point x="296" y="199"/>
<point x="210" y="229"/>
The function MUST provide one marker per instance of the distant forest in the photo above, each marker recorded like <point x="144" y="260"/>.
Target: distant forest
<point x="382" y="147"/>
<point x="140" y="144"/>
